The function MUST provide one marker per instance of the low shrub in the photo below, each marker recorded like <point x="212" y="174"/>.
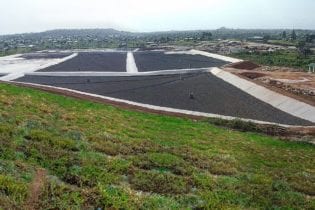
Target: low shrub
<point x="13" y="188"/>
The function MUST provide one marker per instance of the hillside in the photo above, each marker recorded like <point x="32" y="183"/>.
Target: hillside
<point x="224" y="33"/>
<point x="59" y="152"/>
<point x="61" y="33"/>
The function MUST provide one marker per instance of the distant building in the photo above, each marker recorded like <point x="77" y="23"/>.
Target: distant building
<point x="236" y="50"/>
<point x="311" y="68"/>
<point x="271" y="50"/>
<point x="256" y="39"/>
<point x="234" y="43"/>
<point x="21" y="46"/>
<point x="122" y="45"/>
<point x="151" y="44"/>
<point x="292" y="48"/>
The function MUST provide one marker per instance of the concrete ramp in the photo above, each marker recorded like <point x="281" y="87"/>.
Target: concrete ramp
<point x="281" y="102"/>
<point x="16" y="67"/>
<point x="131" y="66"/>
<point x="207" y="54"/>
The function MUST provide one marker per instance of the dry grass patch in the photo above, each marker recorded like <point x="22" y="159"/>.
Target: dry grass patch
<point x="303" y="182"/>
<point x="163" y="162"/>
<point x="159" y="182"/>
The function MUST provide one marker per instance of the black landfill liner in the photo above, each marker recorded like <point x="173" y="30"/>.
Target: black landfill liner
<point x="201" y="92"/>
<point x="154" y="61"/>
<point x="92" y="61"/>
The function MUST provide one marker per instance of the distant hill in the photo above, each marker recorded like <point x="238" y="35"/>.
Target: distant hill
<point x="61" y="33"/>
<point x="111" y="38"/>
<point x="85" y="32"/>
<point x="112" y="33"/>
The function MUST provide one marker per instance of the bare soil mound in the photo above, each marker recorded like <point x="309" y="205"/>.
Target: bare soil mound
<point x="246" y="65"/>
<point x="252" y="75"/>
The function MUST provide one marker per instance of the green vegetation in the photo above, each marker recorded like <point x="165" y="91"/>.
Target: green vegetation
<point x="284" y="42"/>
<point x="278" y="58"/>
<point x="15" y="51"/>
<point x="186" y="43"/>
<point x="95" y="156"/>
<point x="48" y="46"/>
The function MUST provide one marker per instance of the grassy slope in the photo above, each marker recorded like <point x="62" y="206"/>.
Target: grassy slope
<point x="15" y="51"/>
<point x="278" y="58"/>
<point x="284" y="42"/>
<point x="100" y="156"/>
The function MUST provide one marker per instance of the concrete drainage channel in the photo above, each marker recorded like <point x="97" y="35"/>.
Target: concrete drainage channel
<point x="217" y="93"/>
<point x="281" y="102"/>
<point x="131" y="66"/>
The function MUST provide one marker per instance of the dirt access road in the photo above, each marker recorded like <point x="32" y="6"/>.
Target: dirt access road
<point x="287" y="81"/>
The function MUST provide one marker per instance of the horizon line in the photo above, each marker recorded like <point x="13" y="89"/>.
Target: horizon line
<point x="159" y="31"/>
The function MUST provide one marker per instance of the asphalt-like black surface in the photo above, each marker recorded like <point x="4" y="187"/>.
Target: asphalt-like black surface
<point x="210" y="94"/>
<point x="44" y="55"/>
<point x="93" y="61"/>
<point x="153" y="61"/>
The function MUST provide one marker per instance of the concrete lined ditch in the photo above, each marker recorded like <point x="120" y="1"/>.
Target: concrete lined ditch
<point x="281" y="102"/>
<point x="131" y="66"/>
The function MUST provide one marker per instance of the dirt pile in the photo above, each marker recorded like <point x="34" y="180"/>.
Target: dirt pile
<point x="288" y="87"/>
<point x="252" y="75"/>
<point x="246" y="65"/>
<point x="279" y="69"/>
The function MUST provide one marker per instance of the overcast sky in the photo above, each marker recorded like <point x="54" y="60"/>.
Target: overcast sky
<point x="19" y="16"/>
